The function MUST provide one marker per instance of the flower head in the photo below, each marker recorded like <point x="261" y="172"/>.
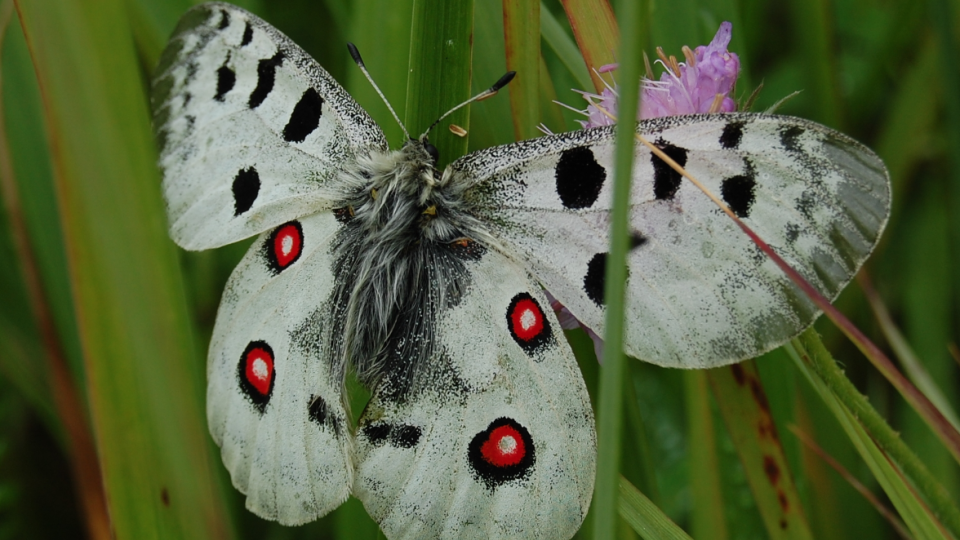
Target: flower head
<point x="702" y="84"/>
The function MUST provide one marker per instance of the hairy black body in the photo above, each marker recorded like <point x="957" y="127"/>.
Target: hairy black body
<point x="399" y="263"/>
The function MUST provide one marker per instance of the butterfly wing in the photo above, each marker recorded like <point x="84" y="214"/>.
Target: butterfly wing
<point x="274" y="397"/>
<point x="494" y="437"/>
<point x="699" y="293"/>
<point x="251" y="129"/>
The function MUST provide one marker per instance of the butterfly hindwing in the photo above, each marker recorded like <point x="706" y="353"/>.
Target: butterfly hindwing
<point x="495" y="438"/>
<point x="699" y="292"/>
<point x="252" y="131"/>
<point x="274" y="401"/>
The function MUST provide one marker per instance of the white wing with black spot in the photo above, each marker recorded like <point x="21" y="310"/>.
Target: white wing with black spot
<point x="494" y="437"/>
<point x="252" y="131"/>
<point x="699" y="293"/>
<point x="274" y="396"/>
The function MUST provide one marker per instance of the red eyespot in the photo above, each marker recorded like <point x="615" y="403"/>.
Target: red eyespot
<point x="527" y="324"/>
<point x="526" y="319"/>
<point x="259" y="369"/>
<point x="257" y="374"/>
<point x="284" y="246"/>
<point x="504" y="447"/>
<point x="501" y="453"/>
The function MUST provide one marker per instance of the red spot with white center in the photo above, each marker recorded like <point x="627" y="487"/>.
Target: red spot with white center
<point x="504" y="448"/>
<point x="287" y="244"/>
<point x="259" y="368"/>
<point x="527" y="319"/>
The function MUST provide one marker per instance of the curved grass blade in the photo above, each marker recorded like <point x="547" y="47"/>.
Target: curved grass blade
<point x="381" y="30"/>
<point x="746" y="413"/>
<point x="521" y="31"/>
<point x="911" y="363"/>
<point x="706" y="491"/>
<point x="439" y="72"/>
<point x="145" y="382"/>
<point x="852" y="480"/>
<point x="644" y="517"/>
<point x="564" y="47"/>
<point x="597" y="33"/>
<point x="864" y="426"/>
<point x="56" y="386"/>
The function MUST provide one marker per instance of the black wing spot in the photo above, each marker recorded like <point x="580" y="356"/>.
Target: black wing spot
<point x="376" y="433"/>
<point x="305" y="117"/>
<point x="738" y="193"/>
<point x="320" y="413"/>
<point x="666" y="181"/>
<point x="790" y="136"/>
<point x="226" y="79"/>
<point x="247" y="34"/>
<point x="224" y="20"/>
<point x="405" y="436"/>
<point x="732" y="134"/>
<point x="579" y="178"/>
<point x="246" y="187"/>
<point x="637" y="239"/>
<point x="266" y="75"/>
<point x="595" y="278"/>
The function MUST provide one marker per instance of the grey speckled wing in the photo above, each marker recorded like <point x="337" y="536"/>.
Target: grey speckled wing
<point x="251" y="130"/>
<point x="700" y="294"/>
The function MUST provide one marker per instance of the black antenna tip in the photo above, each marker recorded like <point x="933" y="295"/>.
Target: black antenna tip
<point x="355" y="54"/>
<point x="505" y="80"/>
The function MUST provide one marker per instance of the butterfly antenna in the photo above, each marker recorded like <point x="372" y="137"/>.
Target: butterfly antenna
<point x="489" y="92"/>
<point x="356" y="58"/>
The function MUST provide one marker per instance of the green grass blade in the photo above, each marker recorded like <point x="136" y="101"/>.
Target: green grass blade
<point x="706" y="492"/>
<point x="40" y="334"/>
<point x="746" y="412"/>
<point x="864" y="426"/>
<point x="145" y="379"/>
<point x="912" y="365"/>
<point x="610" y="410"/>
<point x="491" y="122"/>
<point x="521" y="31"/>
<point x="381" y="31"/>
<point x="597" y="34"/>
<point x="645" y="518"/>
<point x="564" y="47"/>
<point x="812" y="24"/>
<point x="439" y="72"/>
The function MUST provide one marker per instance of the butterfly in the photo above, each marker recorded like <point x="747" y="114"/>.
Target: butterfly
<point x="429" y="285"/>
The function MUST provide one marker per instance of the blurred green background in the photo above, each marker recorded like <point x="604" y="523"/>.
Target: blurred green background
<point x="104" y="323"/>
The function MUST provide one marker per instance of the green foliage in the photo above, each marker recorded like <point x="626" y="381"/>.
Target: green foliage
<point x="129" y="317"/>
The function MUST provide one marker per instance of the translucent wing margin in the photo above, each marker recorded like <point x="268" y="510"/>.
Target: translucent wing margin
<point x="700" y="294"/>
<point x="495" y="439"/>
<point x="251" y="129"/>
<point x="274" y="402"/>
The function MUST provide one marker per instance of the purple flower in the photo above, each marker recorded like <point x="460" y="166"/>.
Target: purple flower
<point x="702" y="84"/>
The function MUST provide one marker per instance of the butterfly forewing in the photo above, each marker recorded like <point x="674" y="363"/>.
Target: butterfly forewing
<point x="495" y="439"/>
<point x="699" y="293"/>
<point x="252" y="131"/>
<point x="274" y="400"/>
